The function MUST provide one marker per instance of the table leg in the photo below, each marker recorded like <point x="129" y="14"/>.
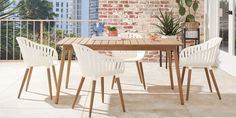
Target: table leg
<point x="68" y="68"/>
<point x="170" y="69"/>
<point x="60" y="74"/>
<point x="160" y="58"/>
<point x="178" y="76"/>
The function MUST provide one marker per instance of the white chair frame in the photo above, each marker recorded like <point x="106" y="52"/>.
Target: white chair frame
<point x="94" y="65"/>
<point x="132" y="56"/>
<point x="205" y="56"/>
<point x="37" y="55"/>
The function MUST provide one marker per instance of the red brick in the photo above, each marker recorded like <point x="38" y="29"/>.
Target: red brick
<point x="141" y="14"/>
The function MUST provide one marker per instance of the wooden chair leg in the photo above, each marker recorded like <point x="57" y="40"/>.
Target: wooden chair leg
<point x="170" y="70"/>
<point x="139" y="73"/>
<point x="215" y="83"/>
<point x="92" y="98"/>
<point x="188" y="84"/>
<point x="78" y="91"/>
<point x="208" y="79"/>
<point x="49" y="83"/>
<point x="54" y="75"/>
<point x="166" y="59"/>
<point x="143" y="79"/>
<point x="121" y="94"/>
<point x="102" y="88"/>
<point x="183" y="73"/>
<point x="29" y="77"/>
<point x="113" y="81"/>
<point x="23" y="82"/>
<point x="68" y="68"/>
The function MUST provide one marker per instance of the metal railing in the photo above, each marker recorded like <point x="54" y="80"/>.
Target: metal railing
<point x="46" y="32"/>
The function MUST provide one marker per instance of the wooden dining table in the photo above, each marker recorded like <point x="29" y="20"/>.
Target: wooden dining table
<point x="169" y="45"/>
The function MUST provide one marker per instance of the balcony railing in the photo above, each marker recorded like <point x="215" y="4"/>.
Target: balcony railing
<point x="46" y="32"/>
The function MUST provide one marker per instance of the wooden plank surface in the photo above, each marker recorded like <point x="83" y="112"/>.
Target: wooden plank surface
<point x="119" y="42"/>
<point x="126" y="44"/>
<point x="140" y="41"/>
<point x="90" y="42"/>
<point x="133" y="42"/>
<point x="97" y="42"/>
<point x="84" y="41"/>
<point x="105" y="42"/>
<point x="61" y="42"/>
<point x="70" y="41"/>
<point x="112" y="42"/>
<point x="127" y="41"/>
<point x="78" y="40"/>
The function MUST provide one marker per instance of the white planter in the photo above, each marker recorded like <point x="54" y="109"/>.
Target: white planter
<point x="168" y="36"/>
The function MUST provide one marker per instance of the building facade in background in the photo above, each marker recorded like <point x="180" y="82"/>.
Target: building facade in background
<point x="68" y="11"/>
<point x="71" y="10"/>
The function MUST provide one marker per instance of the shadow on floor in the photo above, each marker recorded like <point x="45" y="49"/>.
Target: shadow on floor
<point x="161" y="102"/>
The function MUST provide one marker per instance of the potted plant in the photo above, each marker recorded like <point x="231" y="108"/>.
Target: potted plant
<point x="188" y="8"/>
<point x="168" y="25"/>
<point x="112" y="31"/>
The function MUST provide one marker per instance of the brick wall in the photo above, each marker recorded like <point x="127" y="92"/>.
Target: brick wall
<point x="137" y="15"/>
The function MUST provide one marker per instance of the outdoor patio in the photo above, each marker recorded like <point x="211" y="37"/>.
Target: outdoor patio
<point x="156" y="102"/>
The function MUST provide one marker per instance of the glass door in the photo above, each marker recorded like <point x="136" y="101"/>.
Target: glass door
<point x="224" y="23"/>
<point x="227" y="25"/>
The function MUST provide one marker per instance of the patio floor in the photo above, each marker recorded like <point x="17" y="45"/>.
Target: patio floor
<point x="158" y="101"/>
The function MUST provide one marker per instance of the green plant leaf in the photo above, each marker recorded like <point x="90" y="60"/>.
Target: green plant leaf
<point x="109" y="28"/>
<point x="178" y="1"/>
<point x="182" y="10"/>
<point x="168" y="24"/>
<point x="190" y="18"/>
<point x="195" y="6"/>
<point x="189" y="2"/>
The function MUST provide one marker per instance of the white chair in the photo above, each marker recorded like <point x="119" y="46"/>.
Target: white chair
<point x="95" y="65"/>
<point x="201" y="56"/>
<point x="36" y="55"/>
<point x="132" y="56"/>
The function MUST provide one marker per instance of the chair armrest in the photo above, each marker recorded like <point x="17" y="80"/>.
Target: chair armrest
<point x="41" y="54"/>
<point x="185" y="53"/>
<point x="198" y="55"/>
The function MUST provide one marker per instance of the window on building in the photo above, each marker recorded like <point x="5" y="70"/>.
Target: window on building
<point x="61" y="15"/>
<point x="66" y="15"/>
<point x="67" y="5"/>
<point x="66" y="10"/>
<point x="62" y="4"/>
<point x="57" y="9"/>
<point x="57" y="4"/>
<point x="61" y="10"/>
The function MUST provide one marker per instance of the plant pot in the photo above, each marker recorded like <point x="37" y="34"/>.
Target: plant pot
<point x="169" y="36"/>
<point x="113" y="33"/>
<point x="192" y="26"/>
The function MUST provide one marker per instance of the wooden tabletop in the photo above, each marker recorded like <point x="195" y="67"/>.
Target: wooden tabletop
<point x="124" y="44"/>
